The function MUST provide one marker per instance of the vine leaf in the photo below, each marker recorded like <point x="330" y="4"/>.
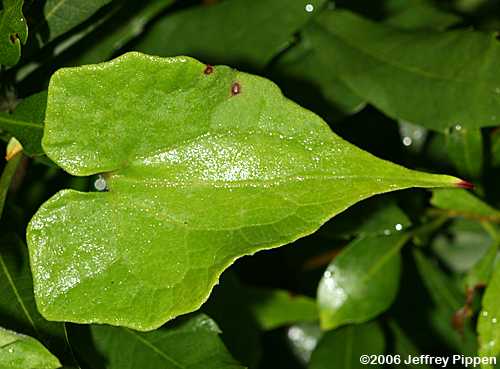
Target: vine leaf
<point x="18" y="351"/>
<point x="13" y="31"/>
<point x="203" y="165"/>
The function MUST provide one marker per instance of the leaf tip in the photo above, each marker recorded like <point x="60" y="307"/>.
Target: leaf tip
<point x="13" y="148"/>
<point x="464" y="184"/>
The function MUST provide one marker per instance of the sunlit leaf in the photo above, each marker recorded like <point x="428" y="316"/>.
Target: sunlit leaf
<point x="489" y="319"/>
<point x="203" y="165"/>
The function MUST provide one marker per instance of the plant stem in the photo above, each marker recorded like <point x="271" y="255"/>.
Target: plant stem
<point x="6" y="178"/>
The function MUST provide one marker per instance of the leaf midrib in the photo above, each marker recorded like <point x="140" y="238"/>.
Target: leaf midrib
<point x="19" y="122"/>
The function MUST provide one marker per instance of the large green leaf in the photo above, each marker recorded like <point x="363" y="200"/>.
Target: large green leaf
<point x="406" y="75"/>
<point x="362" y="281"/>
<point x="342" y="348"/>
<point x="26" y="123"/>
<point x="489" y="319"/>
<point x="190" y="343"/>
<point x="236" y="32"/>
<point x="18" y="351"/>
<point x="13" y="31"/>
<point x="202" y="164"/>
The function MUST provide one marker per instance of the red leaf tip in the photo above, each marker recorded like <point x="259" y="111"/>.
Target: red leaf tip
<point x="465" y="184"/>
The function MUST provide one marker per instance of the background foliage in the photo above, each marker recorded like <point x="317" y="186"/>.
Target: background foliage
<point x="415" y="82"/>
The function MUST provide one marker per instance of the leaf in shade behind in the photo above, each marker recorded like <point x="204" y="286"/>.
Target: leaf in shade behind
<point x="26" y="123"/>
<point x="404" y="74"/>
<point x="343" y="347"/>
<point x="254" y="31"/>
<point x="191" y="342"/>
<point x="18" y="351"/>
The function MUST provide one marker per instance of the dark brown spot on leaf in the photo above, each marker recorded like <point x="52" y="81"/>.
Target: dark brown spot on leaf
<point x="208" y="69"/>
<point x="235" y="89"/>
<point x="14" y="37"/>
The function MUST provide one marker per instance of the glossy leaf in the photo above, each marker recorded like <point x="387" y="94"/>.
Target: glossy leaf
<point x="190" y="343"/>
<point x="13" y="31"/>
<point x="465" y="149"/>
<point x="18" y="351"/>
<point x="461" y="202"/>
<point x="489" y="319"/>
<point x="343" y="347"/>
<point x="274" y="308"/>
<point x="60" y="16"/>
<point x="303" y="339"/>
<point x="404" y="74"/>
<point x="203" y="165"/>
<point x="362" y="281"/>
<point x="254" y="31"/>
<point x="26" y="123"/>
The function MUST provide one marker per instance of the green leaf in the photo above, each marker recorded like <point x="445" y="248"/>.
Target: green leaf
<point x="253" y="31"/>
<point x="307" y="67"/>
<point x="489" y="319"/>
<point x="18" y="351"/>
<point x="404" y="74"/>
<point x="188" y="343"/>
<point x="13" y="31"/>
<point x="26" y="123"/>
<point x="17" y="305"/>
<point x="362" y="281"/>
<point x="63" y="15"/>
<point x="465" y="149"/>
<point x="274" y="308"/>
<point x="422" y="15"/>
<point x="461" y="202"/>
<point x="343" y="347"/>
<point x="113" y="38"/>
<point x="495" y="148"/>
<point x="203" y="165"/>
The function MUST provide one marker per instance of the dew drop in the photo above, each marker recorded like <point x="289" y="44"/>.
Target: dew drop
<point x="309" y="8"/>
<point x="407" y="141"/>
<point x="398" y="227"/>
<point x="458" y="127"/>
<point x="494" y="320"/>
<point x="100" y="184"/>
<point x="387" y="232"/>
<point x="485" y="313"/>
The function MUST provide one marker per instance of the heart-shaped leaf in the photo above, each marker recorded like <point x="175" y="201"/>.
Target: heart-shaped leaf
<point x="203" y="165"/>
